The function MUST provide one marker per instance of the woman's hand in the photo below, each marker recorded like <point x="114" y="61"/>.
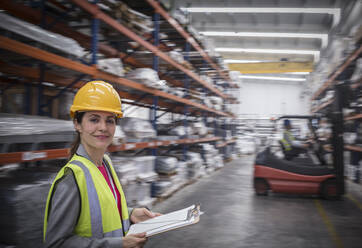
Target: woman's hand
<point x="134" y="240"/>
<point x="142" y="214"/>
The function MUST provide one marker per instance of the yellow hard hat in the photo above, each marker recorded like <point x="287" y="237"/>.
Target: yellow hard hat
<point x="97" y="96"/>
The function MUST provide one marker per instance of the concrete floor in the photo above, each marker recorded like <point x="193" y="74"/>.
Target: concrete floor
<point x="235" y="217"/>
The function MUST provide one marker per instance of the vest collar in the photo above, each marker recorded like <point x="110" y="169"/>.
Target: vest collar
<point x="83" y="153"/>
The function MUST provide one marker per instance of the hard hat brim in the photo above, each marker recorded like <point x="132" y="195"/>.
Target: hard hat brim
<point x="75" y="108"/>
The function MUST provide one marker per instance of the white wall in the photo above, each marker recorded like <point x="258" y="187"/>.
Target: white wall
<point x="271" y="98"/>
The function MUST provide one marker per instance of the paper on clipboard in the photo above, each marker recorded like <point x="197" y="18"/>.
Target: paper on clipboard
<point x="167" y="222"/>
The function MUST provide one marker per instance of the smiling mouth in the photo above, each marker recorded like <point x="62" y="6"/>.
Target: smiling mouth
<point x="101" y="137"/>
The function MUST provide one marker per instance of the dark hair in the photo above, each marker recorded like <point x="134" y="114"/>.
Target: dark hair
<point x="286" y="122"/>
<point x="78" y="117"/>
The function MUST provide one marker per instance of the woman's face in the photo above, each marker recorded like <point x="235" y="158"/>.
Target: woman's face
<point x="96" y="129"/>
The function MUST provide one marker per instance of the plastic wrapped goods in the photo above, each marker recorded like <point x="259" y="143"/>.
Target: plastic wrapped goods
<point x="146" y="168"/>
<point x="119" y="136"/>
<point x="23" y="196"/>
<point x="130" y="190"/>
<point x="144" y="194"/>
<point x="147" y="77"/>
<point x="219" y="162"/>
<point x="180" y="16"/>
<point x="36" y="33"/>
<point x="66" y="100"/>
<point x="111" y="65"/>
<point x="137" y="128"/>
<point x="25" y="133"/>
<point x="181" y="131"/>
<point x="13" y="125"/>
<point x="216" y="100"/>
<point x="159" y="187"/>
<point x="166" y="165"/>
<point x="182" y="171"/>
<point x="358" y="71"/>
<point x="177" y="56"/>
<point x="125" y="168"/>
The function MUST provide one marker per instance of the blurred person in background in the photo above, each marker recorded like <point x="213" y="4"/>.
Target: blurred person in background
<point x="292" y="146"/>
<point x="86" y="206"/>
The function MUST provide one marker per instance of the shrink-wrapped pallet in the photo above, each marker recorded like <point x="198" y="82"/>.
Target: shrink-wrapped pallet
<point x="166" y="165"/>
<point x="38" y="34"/>
<point x="23" y="195"/>
<point x="111" y="65"/>
<point x="136" y="129"/>
<point x="146" y="168"/>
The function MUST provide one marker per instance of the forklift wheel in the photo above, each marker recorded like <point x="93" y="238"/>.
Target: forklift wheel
<point x="329" y="189"/>
<point x="261" y="186"/>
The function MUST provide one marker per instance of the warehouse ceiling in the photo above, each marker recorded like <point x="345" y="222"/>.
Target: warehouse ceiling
<point x="280" y="31"/>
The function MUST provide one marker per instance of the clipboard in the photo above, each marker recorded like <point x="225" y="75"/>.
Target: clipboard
<point x="167" y="222"/>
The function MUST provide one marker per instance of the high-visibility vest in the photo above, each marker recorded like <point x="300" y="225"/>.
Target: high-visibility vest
<point x="286" y="144"/>
<point x="99" y="215"/>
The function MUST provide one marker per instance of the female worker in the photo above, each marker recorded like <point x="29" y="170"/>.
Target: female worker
<point x="86" y="206"/>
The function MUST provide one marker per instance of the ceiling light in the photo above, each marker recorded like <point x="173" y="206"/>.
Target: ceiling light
<point x="297" y="73"/>
<point x="336" y="12"/>
<point x="260" y="50"/>
<point x="273" y="78"/>
<point x="228" y="61"/>
<point x="323" y="37"/>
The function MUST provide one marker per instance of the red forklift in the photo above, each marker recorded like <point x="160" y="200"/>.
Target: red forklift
<point x="302" y="175"/>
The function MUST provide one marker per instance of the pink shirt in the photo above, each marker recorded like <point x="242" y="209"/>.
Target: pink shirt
<point x="105" y="175"/>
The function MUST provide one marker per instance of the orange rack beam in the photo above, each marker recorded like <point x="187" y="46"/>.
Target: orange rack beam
<point x="33" y="16"/>
<point x="226" y="143"/>
<point x="354" y="117"/>
<point x="187" y="36"/>
<point x="31" y="156"/>
<point x="94" y="10"/>
<point x="329" y="82"/>
<point x="33" y="73"/>
<point x="322" y="106"/>
<point x="353" y="148"/>
<point x="37" y="53"/>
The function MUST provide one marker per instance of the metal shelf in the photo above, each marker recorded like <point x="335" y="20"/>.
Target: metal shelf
<point x="94" y="10"/>
<point x="31" y="156"/>
<point x="341" y="68"/>
<point x="322" y="106"/>
<point x="21" y="48"/>
<point x="226" y="143"/>
<point x="353" y="148"/>
<point x="34" y="16"/>
<point x="354" y="117"/>
<point x="188" y="38"/>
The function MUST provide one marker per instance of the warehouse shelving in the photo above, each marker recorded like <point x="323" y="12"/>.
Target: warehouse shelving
<point x="322" y="106"/>
<point x="133" y="91"/>
<point x="338" y="71"/>
<point x="188" y="37"/>
<point x="35" y="17"/>
<point x="18" y="47"/>
<point x="335" y="106"/>
<point x="30" y="156"/>
<point x="94" y="10"/>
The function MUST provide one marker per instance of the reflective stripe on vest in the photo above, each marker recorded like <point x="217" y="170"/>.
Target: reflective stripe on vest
<point x="97" y="218"/>
<point x="286" y="144"/>
<point x="93" y="201"/>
